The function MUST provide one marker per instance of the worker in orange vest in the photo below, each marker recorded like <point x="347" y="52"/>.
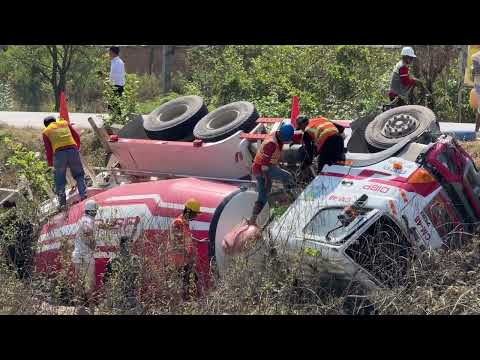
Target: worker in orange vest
<point x="320" y="138"/>
<point x="180" y="251"/>
<point x="265" y="167"/>
<point x="62" y="145"/>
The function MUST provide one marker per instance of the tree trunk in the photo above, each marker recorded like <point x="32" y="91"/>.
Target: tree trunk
<point x="461" y="69"/>
<point x="167" y="51"/>
<point x="151" y="60"/>
<point x="56" y="92"/>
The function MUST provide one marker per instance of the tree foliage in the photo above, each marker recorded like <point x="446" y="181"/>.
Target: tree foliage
<point x="5" y="96"/>
<point x="337" y="81"/>
<point x="39" y="70"/>
<point x="29" y="167"/>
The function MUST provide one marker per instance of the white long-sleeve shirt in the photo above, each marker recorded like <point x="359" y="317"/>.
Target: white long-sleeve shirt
<point x="117" y="71"/>
<point x="85" y="232"/>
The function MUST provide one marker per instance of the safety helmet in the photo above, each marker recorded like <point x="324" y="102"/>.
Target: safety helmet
<point x="91" y="205"/>
<point x="286" y="132"/>
<point x="408" y="51"/>
<point x="48" y="120"/>
<point x="193" y="205"/>
<point x="301" y="120"/>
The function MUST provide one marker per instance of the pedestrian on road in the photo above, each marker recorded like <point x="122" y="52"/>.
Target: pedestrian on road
<point x="117" y="70"/>
<point x="62" y="145"/>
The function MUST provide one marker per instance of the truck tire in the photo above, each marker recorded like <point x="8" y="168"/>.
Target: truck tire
<point x="175" y="119"/>
<point x="225" y="121"/>
<point x="394" y="125"/>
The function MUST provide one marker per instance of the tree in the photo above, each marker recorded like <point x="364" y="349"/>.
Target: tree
<point x="51" y="63"/>
<point x="432" y="61"/>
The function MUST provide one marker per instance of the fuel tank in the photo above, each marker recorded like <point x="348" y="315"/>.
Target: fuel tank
<point x="150" y="206"/>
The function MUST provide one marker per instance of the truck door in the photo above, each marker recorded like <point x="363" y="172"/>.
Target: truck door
<point x="453" y="169"/>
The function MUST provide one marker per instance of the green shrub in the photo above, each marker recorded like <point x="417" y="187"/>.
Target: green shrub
<point x="149" y="87"/>
<point x="121" y="108"/>
<point x="6" y="101"/>
<point x="148" y="106"/>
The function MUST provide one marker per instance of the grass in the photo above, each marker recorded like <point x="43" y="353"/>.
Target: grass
<point x="274" y="281"/>
<point x="91" y="149"/>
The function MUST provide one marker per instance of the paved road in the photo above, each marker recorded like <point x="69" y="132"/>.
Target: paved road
<point x="35" y="119"/>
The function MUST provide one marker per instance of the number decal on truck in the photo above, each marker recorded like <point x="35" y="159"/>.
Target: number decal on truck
<point x="422" y="229"/>
<point x="376" y="188"/>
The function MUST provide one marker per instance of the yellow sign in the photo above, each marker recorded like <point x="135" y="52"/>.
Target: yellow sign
<point x="472" y="49"/>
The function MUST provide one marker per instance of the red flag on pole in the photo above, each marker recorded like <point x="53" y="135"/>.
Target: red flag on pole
<point x="63" y="108"/>
<point x="295" y="111"/>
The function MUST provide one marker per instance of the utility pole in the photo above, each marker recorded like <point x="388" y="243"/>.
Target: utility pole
<point x="167" y="62"/>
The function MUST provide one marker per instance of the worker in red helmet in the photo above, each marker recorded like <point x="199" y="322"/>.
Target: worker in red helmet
<point x="265" y="167"/>
<point x="321" y="138"/>
<point x="180" y="252"/>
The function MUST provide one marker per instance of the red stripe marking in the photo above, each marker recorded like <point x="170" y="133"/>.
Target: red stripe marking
<point x="343" y="123"/>
<point x="369" y="173"/>
<point x="269" y="120"/>
<point x="253" y="137"/>
<point x="398" y="182"/>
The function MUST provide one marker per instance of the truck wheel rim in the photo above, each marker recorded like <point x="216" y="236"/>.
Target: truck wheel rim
<point x="399" y="126"/>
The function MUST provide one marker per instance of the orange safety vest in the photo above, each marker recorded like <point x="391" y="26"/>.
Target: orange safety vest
<point x="59" y="135"/>
<point x="320" y="129"/>
<point x="275" y="158"/>
<point x="179" y="248"/>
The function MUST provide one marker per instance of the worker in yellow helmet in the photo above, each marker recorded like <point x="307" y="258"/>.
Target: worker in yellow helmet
<point x="180" y="252"/>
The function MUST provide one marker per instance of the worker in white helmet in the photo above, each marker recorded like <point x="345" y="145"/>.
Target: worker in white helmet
<point x="83" y="255"/>
<point x="401" y="83"/>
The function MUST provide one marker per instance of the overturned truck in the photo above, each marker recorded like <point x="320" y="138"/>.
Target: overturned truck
<point x="403" y="187"/>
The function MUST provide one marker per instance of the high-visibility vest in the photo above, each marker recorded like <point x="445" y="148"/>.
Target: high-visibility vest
<point x="179" y="245"/>
<point x="320" y="129"/>
<point x="275" y="158"/>
<point x="59" y="135"/>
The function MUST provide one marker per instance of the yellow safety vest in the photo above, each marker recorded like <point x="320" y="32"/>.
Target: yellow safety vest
<point x="59" y="135"/>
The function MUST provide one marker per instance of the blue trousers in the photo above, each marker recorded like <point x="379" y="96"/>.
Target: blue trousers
<point x="264" y="185"/>
<point x="63" y="159"/>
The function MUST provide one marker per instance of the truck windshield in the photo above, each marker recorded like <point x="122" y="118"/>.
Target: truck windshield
<point x="325" y="221"/>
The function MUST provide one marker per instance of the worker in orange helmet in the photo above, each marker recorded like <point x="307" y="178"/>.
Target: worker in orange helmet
<point x="181" y="253"/>
<point x="321" y="138"/>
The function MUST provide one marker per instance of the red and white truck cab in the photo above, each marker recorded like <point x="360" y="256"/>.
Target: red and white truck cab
<point x="413" y="196"/>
